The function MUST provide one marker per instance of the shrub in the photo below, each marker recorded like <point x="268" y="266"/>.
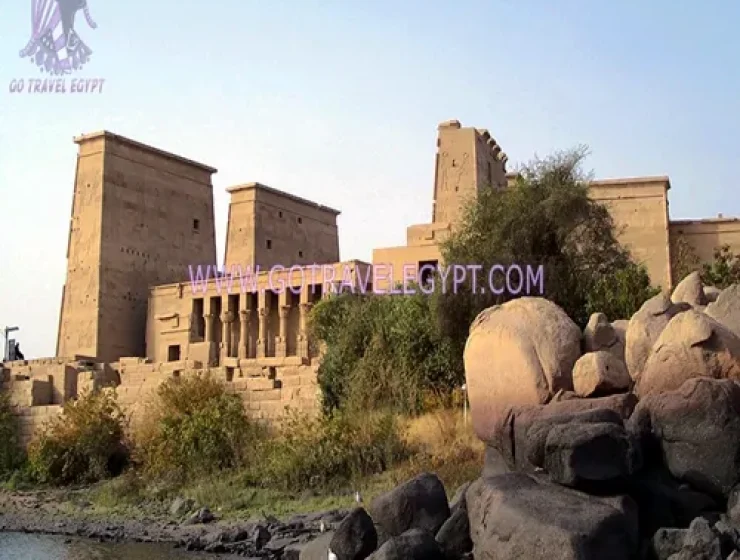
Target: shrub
<point x="85" y="443"/>
<point x="329" y="450"/>
<point x="684" y="259"/>
<point x="10" y="452"/>
<point x="621" y="294"/>
<point x="195" y="428"/>
<point x="382" y="351"/>
<point x="723" y="271"/>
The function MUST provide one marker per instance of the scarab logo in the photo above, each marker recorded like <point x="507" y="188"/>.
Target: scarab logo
<point x="55" y="47"/>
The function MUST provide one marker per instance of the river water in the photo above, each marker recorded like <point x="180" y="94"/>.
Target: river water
<point x="20" y="546"/>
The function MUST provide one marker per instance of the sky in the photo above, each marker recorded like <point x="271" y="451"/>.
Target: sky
<point x="338" y="102"/>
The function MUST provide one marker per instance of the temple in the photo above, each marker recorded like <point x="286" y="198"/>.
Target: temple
<point x="144" y="301"/>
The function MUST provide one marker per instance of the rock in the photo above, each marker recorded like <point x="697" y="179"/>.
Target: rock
<point x="696" y="429"/>
<point x="454" y="536"/>
<point x="644" y="329"/>
<point x="663" y="502"/>
<point x="420" y="503"/>
<point x="587" y="454"/>
<point x="600" y="335"/>
<point x="726" y="308"/>
<point x="667" y="542"/>
<point x="600" y="373"/>
<point x="711" y="293"/>
<point x="699" y="543"/>
<point x="317" y="549"/>
<point x="620" y="329"/>
<point x="516" y="441"/>
<point x="691" y="345"/>
<point x="516" y="516"/>
<point x="729" y="537"/>
<point x="203" y="515"/>
<point x="690" y="290"/>
<point x="415" y="544"/>
<point x="494" y="462"/>
<point x="530" y="449"/>
<point x="518" y="353"/>
<point x="733" y="505"/>
<point x="355" y="538"/>
<point x="458" y="500"/>
<point x="181" y="506"/>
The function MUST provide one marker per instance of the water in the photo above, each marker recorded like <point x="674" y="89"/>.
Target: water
<point x="20" y="546"/>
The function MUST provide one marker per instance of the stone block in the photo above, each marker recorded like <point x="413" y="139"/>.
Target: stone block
<point x="271" y="395"/>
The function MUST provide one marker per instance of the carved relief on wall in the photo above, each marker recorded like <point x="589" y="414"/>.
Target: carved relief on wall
<point x="453" y="170"/>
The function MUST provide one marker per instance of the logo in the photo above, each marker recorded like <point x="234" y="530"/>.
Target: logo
<point x="57" y="49"/>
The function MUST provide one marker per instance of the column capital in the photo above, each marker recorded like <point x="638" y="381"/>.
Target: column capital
<point x="284" y="311"/>
<point x="208" y="316"/>
<point x="263" y="311"/>
<point x="306" y="306"/>
<point x="227" y="317"/>
<point x="244" y="314"/>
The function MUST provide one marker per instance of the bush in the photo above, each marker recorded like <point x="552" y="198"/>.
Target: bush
<point x="382" y="351"/>
<point x="723" y="271"/>
<point x="10" y="452"/>
<point x="195" y="428"/>
<point x="328" y="451"/>
<point x="621" y="294"/>
<point x="85" y="443"/>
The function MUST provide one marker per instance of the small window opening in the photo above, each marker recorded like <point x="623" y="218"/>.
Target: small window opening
<point x="269" y="243"/>
<point x="173" y="353"/>
<point x="196" y="224"/>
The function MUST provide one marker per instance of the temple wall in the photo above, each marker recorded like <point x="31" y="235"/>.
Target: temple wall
<point x="704" y="236"/>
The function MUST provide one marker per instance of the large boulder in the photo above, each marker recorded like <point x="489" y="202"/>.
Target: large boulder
<point x="726" y="308"/>
<point x="420" y="503"/>
<point x="589" y="455"/>
<point x="415" y="544"/>
<point x="600" y="373"/>
<point x="355" y="538"/>
<point x="515" y="516"/>
<point x="696" y="430"/>
<point x="690" y="290"/>
<point x="691" y="345"/>
<point x="518" y="353"/>
<point x="600" y="334"/>
<point x="518" y="442"/>
<point x="454" y="536"/>
<point x="644" y="329"/>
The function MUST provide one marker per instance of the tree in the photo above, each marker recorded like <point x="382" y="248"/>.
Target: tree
<point x="723" y="271"/>
<point x="684" y="259"/>
<point x="547" y="220"/>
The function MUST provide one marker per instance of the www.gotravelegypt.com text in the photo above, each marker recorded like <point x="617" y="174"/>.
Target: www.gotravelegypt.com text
<point x="498" y="279"/>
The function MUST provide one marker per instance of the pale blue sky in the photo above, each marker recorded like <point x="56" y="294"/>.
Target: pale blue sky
<point x="338" y="101"/>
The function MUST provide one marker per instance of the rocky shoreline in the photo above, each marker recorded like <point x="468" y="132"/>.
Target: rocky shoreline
<point x="40" y="513"/>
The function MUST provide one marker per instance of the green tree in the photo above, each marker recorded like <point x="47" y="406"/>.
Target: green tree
<point x="723" y="271"/>
<point x="546" y="219"/>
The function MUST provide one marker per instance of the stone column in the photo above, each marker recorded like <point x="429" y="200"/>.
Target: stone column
<point x="244" y="316"/>
<point x="281" y="344"/>
<point x="226" y="320"/>
<point x="263" y="334"/>
<point x="303" y="339"/>
<point x="209" y="327"/>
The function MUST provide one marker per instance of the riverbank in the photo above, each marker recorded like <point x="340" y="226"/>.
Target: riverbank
<point x="68" y="513"/>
